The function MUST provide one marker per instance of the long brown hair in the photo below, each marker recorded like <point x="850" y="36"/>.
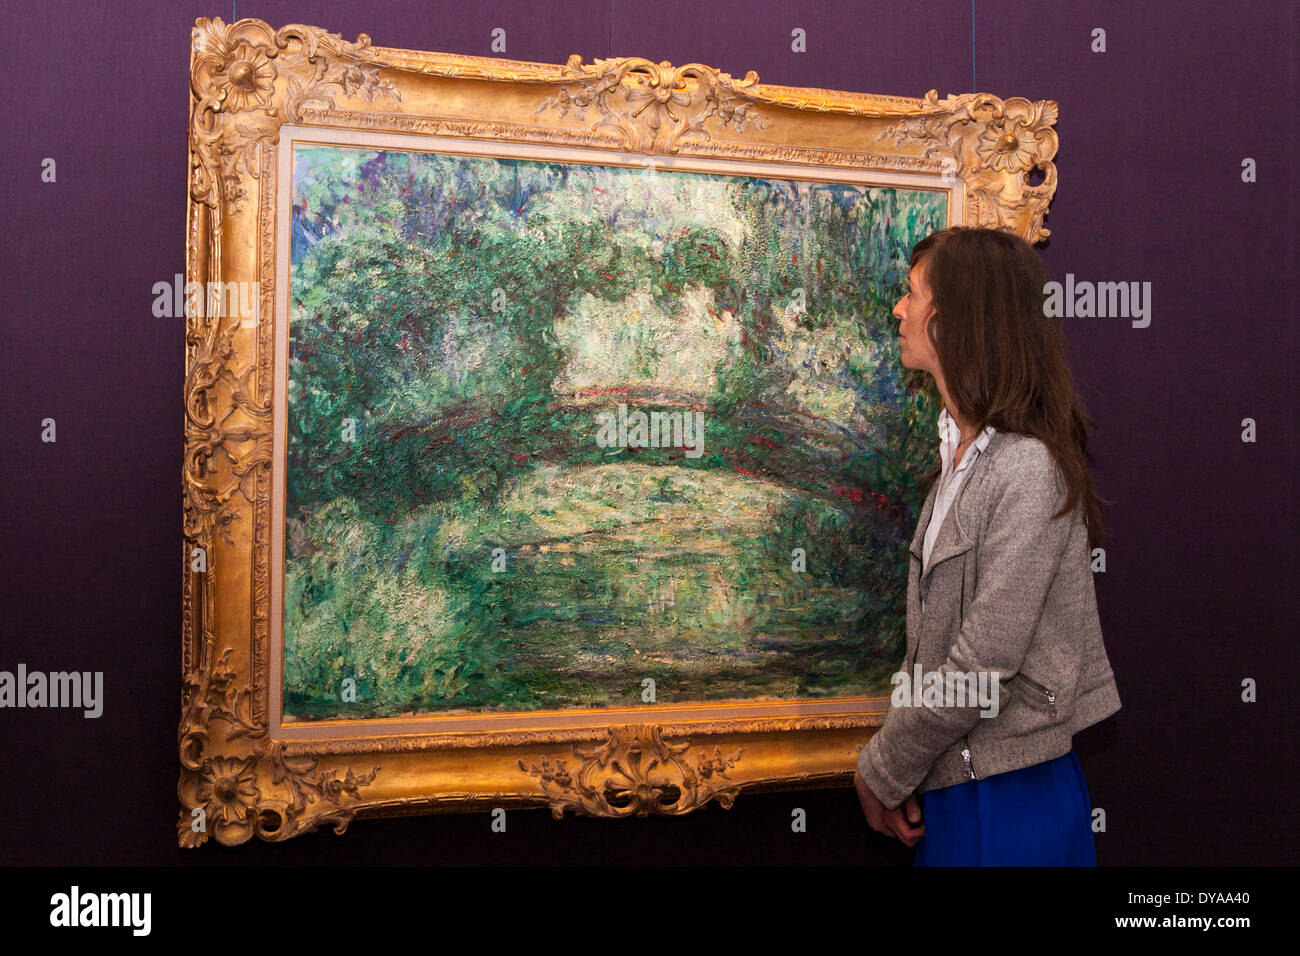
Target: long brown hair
<point x="1003" y="358"/>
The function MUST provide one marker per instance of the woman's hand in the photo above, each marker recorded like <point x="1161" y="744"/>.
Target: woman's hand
<point x="903" y="822"/>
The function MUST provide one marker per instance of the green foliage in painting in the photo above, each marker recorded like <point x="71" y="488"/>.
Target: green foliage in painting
<point x="459" y="540"/>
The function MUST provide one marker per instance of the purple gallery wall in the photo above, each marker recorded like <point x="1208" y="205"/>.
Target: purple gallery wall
<point x="1200" y="582"/>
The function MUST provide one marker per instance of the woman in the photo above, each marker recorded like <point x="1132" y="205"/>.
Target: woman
<point x="1000" y="599"/>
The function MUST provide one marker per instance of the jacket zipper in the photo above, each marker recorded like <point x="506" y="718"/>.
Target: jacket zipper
<point x="965" y="756"/>
<point x="1051" y="697"/>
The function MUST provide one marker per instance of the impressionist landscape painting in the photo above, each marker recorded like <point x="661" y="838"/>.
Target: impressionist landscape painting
<point x="481" y="515"/>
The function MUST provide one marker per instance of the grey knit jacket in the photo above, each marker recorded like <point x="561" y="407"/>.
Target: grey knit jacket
<point x="1007" y="590"/>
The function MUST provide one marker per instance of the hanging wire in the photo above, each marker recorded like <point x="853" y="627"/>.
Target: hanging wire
<point x="973" y="87"/>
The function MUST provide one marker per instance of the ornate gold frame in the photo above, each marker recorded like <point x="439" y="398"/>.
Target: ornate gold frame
<point x="241" y="777"/>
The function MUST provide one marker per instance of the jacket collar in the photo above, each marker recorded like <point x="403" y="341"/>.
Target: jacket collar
<point x="952" y="540"/>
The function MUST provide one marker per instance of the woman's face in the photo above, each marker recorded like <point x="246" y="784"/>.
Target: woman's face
<point x="913" y="313"/>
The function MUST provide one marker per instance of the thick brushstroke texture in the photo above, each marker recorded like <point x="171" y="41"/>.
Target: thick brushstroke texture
<point x="476" y="430"/>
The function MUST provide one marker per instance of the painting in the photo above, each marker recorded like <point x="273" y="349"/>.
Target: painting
<point x="546" y="444"/>
<point x="557" y="430"/>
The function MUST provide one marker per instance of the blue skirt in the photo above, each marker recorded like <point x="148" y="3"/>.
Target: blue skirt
<point x="1035" y="816"/>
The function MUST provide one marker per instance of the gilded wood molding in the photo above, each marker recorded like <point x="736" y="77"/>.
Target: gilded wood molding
<point x="992" y="145"/>
<point x="238" y="779"/>
<point x="635" y="771"/>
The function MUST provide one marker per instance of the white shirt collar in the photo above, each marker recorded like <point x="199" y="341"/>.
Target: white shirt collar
<point x="950" y="437"/>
